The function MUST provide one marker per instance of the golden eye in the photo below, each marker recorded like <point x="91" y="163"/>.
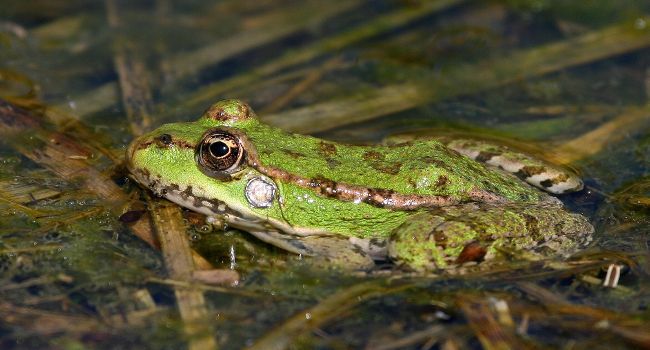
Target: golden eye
<point x="219" y="154"/>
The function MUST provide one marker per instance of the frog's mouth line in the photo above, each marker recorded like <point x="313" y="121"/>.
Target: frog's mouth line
<point x="186" y="197"/>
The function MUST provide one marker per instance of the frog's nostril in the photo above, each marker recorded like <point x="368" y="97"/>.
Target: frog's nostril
<point x="164" y="140"/>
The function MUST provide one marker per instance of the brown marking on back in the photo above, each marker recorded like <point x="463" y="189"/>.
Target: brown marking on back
<point x="293" y="154"/>
<point x="430" y="160"/>
<point x="435" y="162"/>
<point x="187" y="193"/>
<point x="379" y="197"/>
<point x="376" y="161"/>
<point x="373" y="156"/>
<point x="442" y="181"/>
<point x="472" y="251"/>
<point x="332" y="163"/>
<point x="327" y="149"/>
<point x="387" y="168"/>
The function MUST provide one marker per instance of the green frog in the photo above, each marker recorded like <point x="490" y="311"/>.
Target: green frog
<point x="423" y="204"/>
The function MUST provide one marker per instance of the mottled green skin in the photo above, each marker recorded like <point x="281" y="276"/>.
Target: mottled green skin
<point x="424" y="168"/>
<point x="301" y="207"/>
<point x="435" y="239"/>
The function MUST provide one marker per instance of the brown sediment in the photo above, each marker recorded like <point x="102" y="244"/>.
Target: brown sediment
<point x="14" y="117"/>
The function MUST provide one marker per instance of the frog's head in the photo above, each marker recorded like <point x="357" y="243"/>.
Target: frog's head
<point x="204" y="165"/>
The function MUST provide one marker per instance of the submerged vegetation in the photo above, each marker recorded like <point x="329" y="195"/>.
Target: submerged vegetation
<point x="89" y="260"/>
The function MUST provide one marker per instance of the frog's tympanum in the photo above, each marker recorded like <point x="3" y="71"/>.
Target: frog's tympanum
<point x="424" y="204"/>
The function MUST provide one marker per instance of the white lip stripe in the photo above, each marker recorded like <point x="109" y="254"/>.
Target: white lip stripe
<point x="245" y="216"/>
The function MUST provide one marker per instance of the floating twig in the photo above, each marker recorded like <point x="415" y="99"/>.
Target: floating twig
<point x="166" y="217"/>
<point x="184" y="65"/>
<point x="327" y="310"/>
<point x="465" y="79"/>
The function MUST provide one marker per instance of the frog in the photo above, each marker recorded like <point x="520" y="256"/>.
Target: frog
<point x="422" y="205"/>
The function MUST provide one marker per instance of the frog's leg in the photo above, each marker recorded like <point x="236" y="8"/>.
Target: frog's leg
<point x="327" y="251"/>
<point x="452" y="236"/>
<point x="546" y="176"/>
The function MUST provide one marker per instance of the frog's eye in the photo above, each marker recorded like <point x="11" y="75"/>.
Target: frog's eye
<point x="219" y="154"/>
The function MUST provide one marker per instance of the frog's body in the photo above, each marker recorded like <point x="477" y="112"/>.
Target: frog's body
<point x="344" y="202"/>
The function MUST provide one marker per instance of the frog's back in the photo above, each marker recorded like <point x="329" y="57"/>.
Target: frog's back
<point x="420" y="168"/>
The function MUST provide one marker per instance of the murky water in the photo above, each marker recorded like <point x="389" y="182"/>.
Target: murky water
<point x="568" y="81"/>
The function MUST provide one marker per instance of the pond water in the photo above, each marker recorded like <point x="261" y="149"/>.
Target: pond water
<point x="79" y="265"/>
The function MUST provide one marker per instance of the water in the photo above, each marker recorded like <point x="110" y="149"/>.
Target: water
<point x="564" y="80"/>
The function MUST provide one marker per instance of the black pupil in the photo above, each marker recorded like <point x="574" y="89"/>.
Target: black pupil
<point x="219" y="149"/>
